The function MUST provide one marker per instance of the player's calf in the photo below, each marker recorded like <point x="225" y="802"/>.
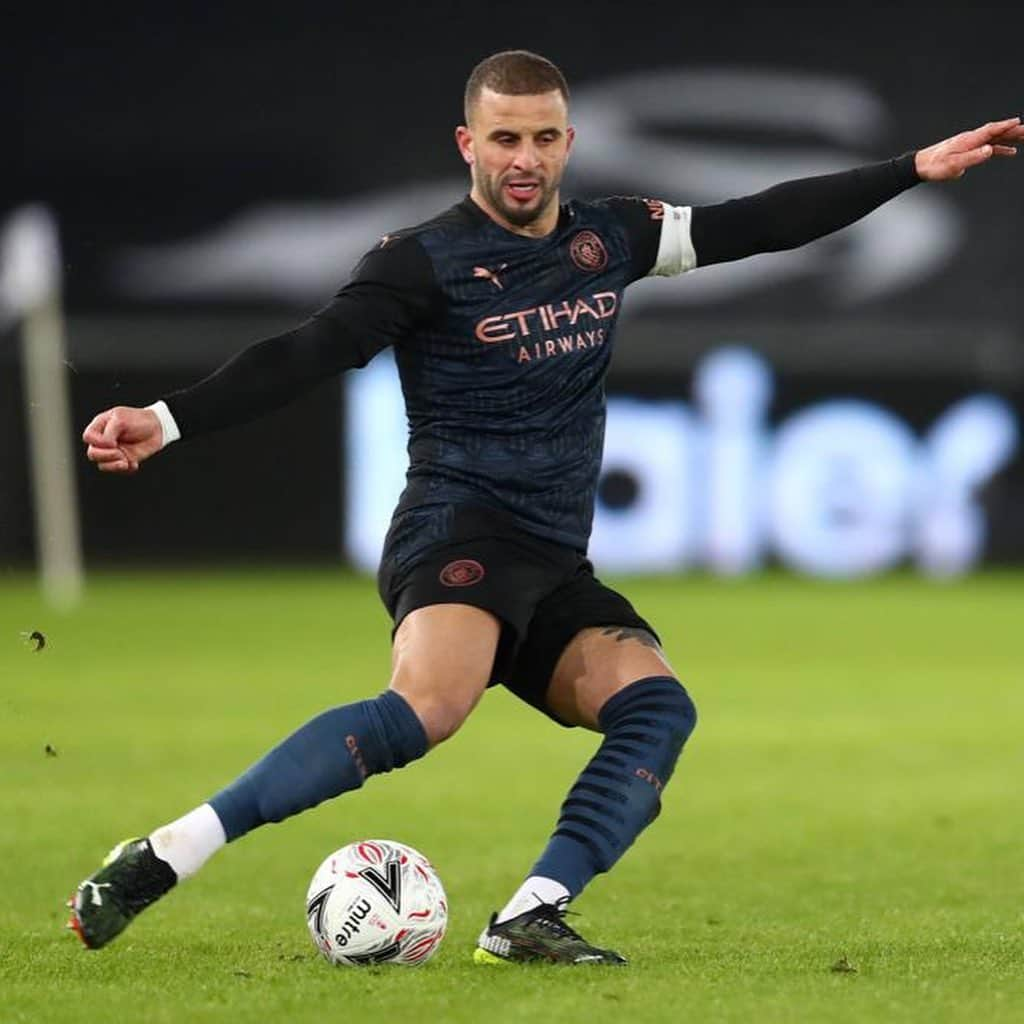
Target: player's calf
<point x="619" y="793"/>
<point x="329" y="755"/>
<point x="615" y="798"/>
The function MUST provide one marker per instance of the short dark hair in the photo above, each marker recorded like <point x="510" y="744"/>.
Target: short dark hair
<point x="514" y="73"/>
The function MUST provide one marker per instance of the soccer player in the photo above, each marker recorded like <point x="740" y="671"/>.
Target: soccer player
<point x="502" y="314"/>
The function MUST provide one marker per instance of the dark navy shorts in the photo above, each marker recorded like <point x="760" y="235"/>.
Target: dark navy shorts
<point x="542" y="593"/>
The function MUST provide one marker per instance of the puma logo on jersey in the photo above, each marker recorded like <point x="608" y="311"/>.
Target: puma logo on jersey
<point x="491" y="275"/>
<point x="97" y="898"/>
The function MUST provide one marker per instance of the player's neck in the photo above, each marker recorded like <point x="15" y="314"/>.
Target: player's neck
<point x="543" y="225"/>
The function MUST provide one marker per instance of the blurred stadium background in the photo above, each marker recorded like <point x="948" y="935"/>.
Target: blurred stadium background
<point x="840" y="410"/>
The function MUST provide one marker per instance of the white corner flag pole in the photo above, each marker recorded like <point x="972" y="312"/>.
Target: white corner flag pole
<point x="30" y="287"/>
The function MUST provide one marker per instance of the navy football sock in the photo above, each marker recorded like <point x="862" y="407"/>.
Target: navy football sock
<point x="329" y="755"/>
<point x="619" y="792"/>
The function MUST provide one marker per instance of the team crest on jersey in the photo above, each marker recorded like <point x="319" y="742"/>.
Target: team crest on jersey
<point x="588" y="252"/>
<point x="462" y="573"/>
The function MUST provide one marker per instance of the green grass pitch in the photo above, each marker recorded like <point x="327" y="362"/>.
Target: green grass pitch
<point x="852" y="796"/>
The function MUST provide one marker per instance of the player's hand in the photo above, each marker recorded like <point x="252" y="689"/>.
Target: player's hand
<point x="951" y="158"/>
<point x="120" y="438"/>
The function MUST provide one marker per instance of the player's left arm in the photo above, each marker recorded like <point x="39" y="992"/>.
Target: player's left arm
<point x="794" y="213"/>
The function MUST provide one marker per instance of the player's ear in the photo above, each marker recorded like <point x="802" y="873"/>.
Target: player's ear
<point x="464" y="140"/>
<point x="570" y="138"/>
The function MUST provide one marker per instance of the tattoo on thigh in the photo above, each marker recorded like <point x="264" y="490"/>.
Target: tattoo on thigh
<point x="632" y="633"/>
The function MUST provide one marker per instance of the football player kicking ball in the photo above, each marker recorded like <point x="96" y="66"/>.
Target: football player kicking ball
<point x="502" y="312"/>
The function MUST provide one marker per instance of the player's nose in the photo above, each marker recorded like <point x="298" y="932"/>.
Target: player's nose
<point x="527" y="158"/>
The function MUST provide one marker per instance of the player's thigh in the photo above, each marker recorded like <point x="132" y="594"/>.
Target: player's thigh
<point x="462" y="608"/>
<point x="597" y="663"/>
<point x="585" y="642"/>
<point x="441" y="662"/>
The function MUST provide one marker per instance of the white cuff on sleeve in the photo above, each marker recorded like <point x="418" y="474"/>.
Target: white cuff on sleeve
<point x="170" y="428"/>
<point x="676" y="254"/>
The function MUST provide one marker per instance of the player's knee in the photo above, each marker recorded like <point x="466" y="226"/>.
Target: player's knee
<point x="681" y="718"/>
<point x="441" y="714"/>
<point x="660" y="715"/>
<point x="660" y="700"/>
<point x="675" y="718"/>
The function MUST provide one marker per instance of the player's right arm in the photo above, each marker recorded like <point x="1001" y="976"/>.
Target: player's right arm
<point x="392" y="291"/>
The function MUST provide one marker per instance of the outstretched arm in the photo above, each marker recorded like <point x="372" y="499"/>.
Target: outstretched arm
<point x="391" y="292"/>
<point x="797" y="212"/>
<point x="261" y="378"/>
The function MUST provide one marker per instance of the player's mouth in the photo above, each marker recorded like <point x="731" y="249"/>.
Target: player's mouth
<point x="522" y="191"/>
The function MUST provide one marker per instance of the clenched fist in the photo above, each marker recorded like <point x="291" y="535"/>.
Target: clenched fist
<point x="119" y="439"/>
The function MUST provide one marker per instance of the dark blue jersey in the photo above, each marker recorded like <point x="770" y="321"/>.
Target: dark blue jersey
<point x="502" y="358"/>
<point x="503" y="341"/>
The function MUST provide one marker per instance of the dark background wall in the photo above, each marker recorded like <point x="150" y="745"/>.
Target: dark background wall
<point x="159" y="123"/>
<point x="291" y="132"/>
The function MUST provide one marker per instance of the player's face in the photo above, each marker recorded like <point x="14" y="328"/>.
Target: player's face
<point x="517" y="148"/>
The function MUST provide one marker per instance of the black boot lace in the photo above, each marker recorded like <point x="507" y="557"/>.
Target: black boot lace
<point x="551" y="917"/>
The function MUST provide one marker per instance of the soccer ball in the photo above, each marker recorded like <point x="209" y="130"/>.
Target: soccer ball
<point x="376" y="902"/>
